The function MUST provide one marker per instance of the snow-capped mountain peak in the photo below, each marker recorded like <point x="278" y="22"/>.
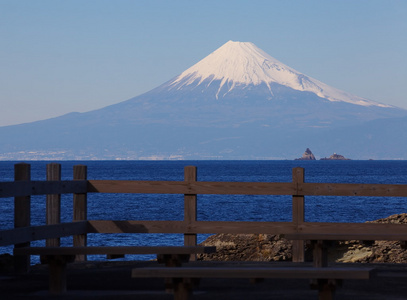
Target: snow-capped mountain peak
<point x="243" y="63"/>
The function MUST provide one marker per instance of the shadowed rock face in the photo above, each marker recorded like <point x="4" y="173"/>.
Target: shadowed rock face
<point x="248" y="247"/>
<point x="267" y="247"/>
<point x="308" y="155"/>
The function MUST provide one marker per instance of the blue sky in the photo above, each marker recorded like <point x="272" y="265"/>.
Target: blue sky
<point x="60" y="56"/>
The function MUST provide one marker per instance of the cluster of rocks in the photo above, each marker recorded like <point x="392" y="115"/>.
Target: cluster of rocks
<point x="308" y="155"/>
<point x="248" y="247"/>
<point x="266" y="247"/>
<point x="387" y="251"/>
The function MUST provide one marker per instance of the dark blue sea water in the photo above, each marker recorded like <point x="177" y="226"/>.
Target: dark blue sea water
<point x="214" y="207"/>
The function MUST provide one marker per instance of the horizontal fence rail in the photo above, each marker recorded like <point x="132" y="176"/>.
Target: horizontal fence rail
<point x="197" y="187"/>
<point x="23" y="188"/>
<point x="33" y="233"/>
<point x="247" y="188"/>
<point x="234" y="227"/>
<point x="32" y="188"/>
<point x="352" y="189"/>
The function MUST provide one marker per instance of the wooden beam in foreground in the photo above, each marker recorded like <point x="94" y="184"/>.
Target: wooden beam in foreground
<point x="254" y="272"/>
<point x="80" y="208"/>
<point x="53" y="203"/>
<point x="352" y="189"/>
<point x="22" y="215"/>
<point x="114" y="250"/>
<point x="365" y="231"/>
<point x="28" y="234"/>
<point x="198" y="187"/>
<point x="212" y="227"/>
<point x="247" y="188"/>
<point x="29" y="188"/>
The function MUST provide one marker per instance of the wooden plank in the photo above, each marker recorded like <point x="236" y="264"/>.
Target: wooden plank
<point x="190" y="208"/>
<point x="320" y="254"/>
<point x="353" y="228"/>
<point x="347" y="237"/>
<point x="80" y="208"/>
<point x="254" y="272"/>
<point x="12" y="189"/>
<point x="57" y="274"/>
<point x="182" y="187"/>
<point x="298" y="201"/>
<point x="247" y="188"/>
<point x="53" y="202"/>
<point x="115" y="250"/>
<point x="22" y="215"/>
<point x="33" y="233"/>
<point x="213" y="227"/>
<point x="298" y="211"/>
<point x="30" y="188"/>
<point x="349" y="231"/>
<point x="112" y="226"/>
<point x="352" y="189"/>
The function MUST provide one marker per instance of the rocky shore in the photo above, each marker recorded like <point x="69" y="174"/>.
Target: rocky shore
<point x="266" y="247"/>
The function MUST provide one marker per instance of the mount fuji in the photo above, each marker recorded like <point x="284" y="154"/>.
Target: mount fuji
<point x="236" y="103"/>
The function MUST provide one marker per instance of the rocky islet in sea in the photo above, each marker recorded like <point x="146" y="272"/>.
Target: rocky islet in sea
<point x="308" y="155"/>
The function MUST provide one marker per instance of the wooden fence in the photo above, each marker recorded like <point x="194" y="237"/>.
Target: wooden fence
<point x="22" y="188"/>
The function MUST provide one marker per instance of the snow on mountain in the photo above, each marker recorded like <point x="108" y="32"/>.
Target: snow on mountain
<point x="182" y="118"/>
<point x="239" y="64"/>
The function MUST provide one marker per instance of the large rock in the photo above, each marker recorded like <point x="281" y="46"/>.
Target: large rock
<point x="383" y="251"/>
<point x="266" y="247"/>
<point x="308" y="155"/>
<point x="248" y="247"/>
<point x="335" y="157"/>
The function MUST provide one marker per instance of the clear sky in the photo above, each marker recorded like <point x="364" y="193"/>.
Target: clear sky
<point x="59" y="56"/>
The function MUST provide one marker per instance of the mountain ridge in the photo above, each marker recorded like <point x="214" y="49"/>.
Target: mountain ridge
<point x="188" y="121"/>
<point x="254" y="66"/>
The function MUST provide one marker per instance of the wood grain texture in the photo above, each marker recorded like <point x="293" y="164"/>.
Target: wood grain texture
<point x="247" y="188"/>
<point x="22" y="216"/>
<point x="80" y="208"/>
<point x="114" y="250"/>
<point x="34" y="233"/>
<point x="254" y="272"/>
<point x="31" y="188"/>
<point x="350" y="231"/>
<point x="53" y="202"/>
<point x="134" y="226"/>
<point x="182" y="187"/>
<point x="298" y="215"/>
<point x="190" y="208"/>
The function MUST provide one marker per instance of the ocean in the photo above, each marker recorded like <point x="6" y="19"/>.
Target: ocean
<point x="212" y="207"/>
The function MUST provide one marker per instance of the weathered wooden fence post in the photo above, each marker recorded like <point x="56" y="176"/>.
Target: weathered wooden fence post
<point x="298" y="215"/>
<point x="190" y="208"/>
<point x="22" y="216"/>
<point x="80" y="207"/>
<point x="53" y="207"/>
